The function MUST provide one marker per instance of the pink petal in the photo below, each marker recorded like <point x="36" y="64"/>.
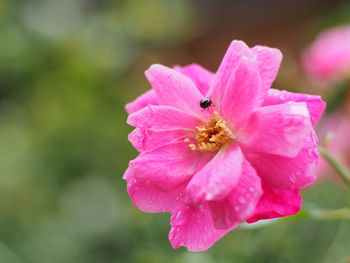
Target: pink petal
<point x="315" y="104"/>
<point x="217" y="178"/>
<point x="168" y="166"/>
<point x="193" y="227"/>
<point x="162" y="117"/>
<point x="278" y="129"/>
<point x="149" y="198"/>
<point x="269" y="61"/>
<point x="243" y="93"/>
<point x="276" y="203"/>
<point x="241" y="202"/>
<point x="145" y="99"/>
<point x="175" y="89"/>
<point x="284" y="172"/>
<point x="230" y="62"/>
<point x="201" y="77"/>
<point x="149" y="139"/>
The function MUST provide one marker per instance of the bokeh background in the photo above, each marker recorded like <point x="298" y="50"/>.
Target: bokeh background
<point x="67" y="68"/>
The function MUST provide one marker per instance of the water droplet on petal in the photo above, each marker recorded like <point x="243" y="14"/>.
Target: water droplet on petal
<point x="293" y="178"/>
<point x="241" y="200"/>
<point x="179" y="218"/>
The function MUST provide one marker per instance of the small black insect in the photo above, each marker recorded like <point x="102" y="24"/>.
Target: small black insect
<point x="205" y="103"/>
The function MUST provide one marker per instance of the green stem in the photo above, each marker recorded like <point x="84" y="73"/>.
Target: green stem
<point x="340" y="170"/>
<point x="323" y="214"/>
<point x="341" y="214"/>
<point x="339" y="92"/>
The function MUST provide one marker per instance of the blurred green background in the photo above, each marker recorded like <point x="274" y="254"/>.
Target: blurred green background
<point x="67" y="68"/>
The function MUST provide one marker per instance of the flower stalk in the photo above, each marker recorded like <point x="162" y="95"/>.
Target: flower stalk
<point x="341" y="170"/>
<point x="341" y="214"/>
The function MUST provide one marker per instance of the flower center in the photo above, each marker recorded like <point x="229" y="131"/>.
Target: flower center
<point x="212" y="135"/>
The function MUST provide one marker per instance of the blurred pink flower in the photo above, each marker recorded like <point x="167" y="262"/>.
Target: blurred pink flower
<point x="242" y="158"/>
<point x="328" y="58"/>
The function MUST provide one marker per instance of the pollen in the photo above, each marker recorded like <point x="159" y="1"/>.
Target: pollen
<point x="212" y="135"/>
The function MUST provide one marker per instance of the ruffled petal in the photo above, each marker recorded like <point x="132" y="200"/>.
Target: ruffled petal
<point x="284" y="172"/>
<point x="149" y="198"/>
<point x="149" y="139"/>
<point x="278" y="129"/>
<point x="241" y="202"/>
<point x="168" y="166"/>
<point x="230" y="62"/>
<point x="145" y="99"/>
<point x="243" y="93"/>
<point x="162" y="117"/>
<point x="201" y="77"/>
<point x="269" y="61"/>
<point x="315" y="104"/>
<point x="193" y="227"/>
<point x="175" y="89"/>
<point x="276" y="203"/>
<point x="218" y="177"/>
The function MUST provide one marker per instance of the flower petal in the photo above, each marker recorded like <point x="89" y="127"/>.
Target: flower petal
<point x="276" y="203"/>
<point x="149" y="198"/>
<point x="284" y="172"/>
<point x="241" y="202"/>
<point x="243" y="93"/>
<point x="149" y="139"/>
<point x="201" y="77"/>
<point x="168" y="166"/>
<point x="269" y="61"/>
<point x="217" y="178"/>
<point x="278" y="129"/>
<point x="149" y="97"/>
<point x="162" y="117"/>
<point x="175" y="89"/>
<point x="230" y="62"/>
<point x="315" y="104"/>
<point x="192" y="227"/>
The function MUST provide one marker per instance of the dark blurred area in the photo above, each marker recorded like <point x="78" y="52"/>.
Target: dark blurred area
<point x="67" y="68"/>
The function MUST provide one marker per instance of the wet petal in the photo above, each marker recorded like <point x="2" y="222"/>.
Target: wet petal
<point x="175" y="89"/>
<point x="269" y="61"/>
<point x="278" y="129"/>
<point x="230" y="62"/>
<point x="218" y="177"/>
<point x="315" y="104"/>
<point x="201" y="77"/>
<point x="149" y="139"/>
<point x="168" y="166"/>
<point x="241" y="202"/>
<point x="162" y="117"/>
<point x="284" y="172"/>
<point x="149" y="198"/>
<point x="243" y="93"/>
<point x="276" y="203"/>
<point x="145" y="99"/>
<point x="192" y="227"/>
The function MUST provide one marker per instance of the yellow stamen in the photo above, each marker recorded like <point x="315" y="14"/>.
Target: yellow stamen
<point x="212" y="135"/>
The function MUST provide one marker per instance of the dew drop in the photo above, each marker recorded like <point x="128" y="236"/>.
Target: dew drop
<point x="293" y="178"/>
<point x="241" y="200"/>
<point x="178" y="216"/>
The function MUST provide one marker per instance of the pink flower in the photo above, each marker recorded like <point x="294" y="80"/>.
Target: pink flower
<point x="243" y="158"/>
<point x="328" y="58"/>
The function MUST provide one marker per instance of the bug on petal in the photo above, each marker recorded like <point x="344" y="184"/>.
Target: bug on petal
<point x="205" y="103"/>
